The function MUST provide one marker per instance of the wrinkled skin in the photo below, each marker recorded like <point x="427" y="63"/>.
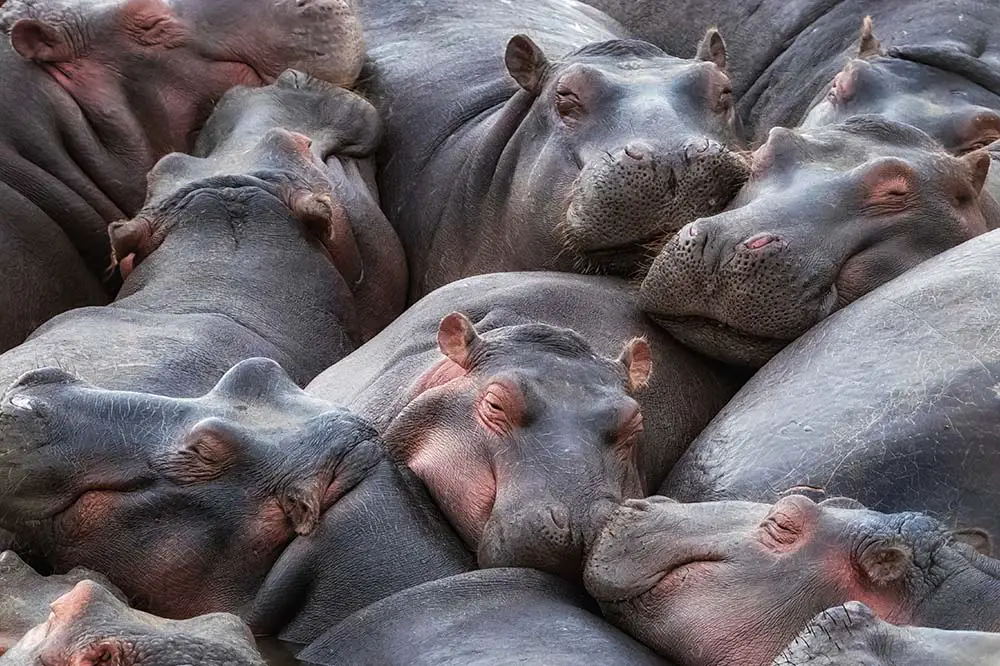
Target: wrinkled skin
<point x="24" y="602"/>
<point x="231" y="477"/>
<point x="233" y="246"/>
<point x="88" y="625"/>
<point x="727" y="583"/>
<point x="892" y="401"/>
<point x="530" y="489"/>
<point x="852" y="635"/>
<point x="829" y="215"/>
<point x="496" y="617"/>
<point x="95" y="93"/>
<point x="584" y="151"/>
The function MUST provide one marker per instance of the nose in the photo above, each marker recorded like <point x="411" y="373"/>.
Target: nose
<point x="541" y="535"/>
<point x="639" y="151"/>
<point x="700" y="148"/>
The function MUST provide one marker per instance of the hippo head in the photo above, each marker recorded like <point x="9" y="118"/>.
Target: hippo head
<point x="944" y="103"/>
<point x="739" y="580"/>
<point x="89" y="626"/>
<point x="828" y="215"/>
<point x="524" y="437"/>
<point x="640" y="140"/>
<point x="171" y="60"/>
<point x="163" y="495"/>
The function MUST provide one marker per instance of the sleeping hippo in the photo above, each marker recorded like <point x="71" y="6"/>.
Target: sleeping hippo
<point x="720" y="583"/>
<point x="529" y="135"/>
<point x="830" y="214"/>
<point x="93" y="93"/>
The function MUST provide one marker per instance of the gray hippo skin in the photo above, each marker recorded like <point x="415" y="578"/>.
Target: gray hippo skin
<point x="852" y="635"/>
<point x="725" y="583"/>
<point x="93" y="93"/>
<point x="579" y="153"/>
<point x="892" y="401"/>
<point x="785" y="53"/>
<point x="496" y="617"/>
<point x="89" y="625"/>
<point x="242" y="251"/>
<point x="829" y="214"/>
<point x="570" y="435"/>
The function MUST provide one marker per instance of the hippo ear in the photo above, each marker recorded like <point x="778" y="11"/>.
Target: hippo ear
<point x="40" y="41"/>
<point x="976" y="538"/>
<point x="637" y="358"/>
<point x="843" y="503"/>
<point x="457" y="338"/>
<point x="328" y="221"/>
<point x="712" y="48"/>
<point x="526" y="63"/>
<point x="130" y="242"/>
<point x="886" y="561"/>
<point x="869" y="46"/>
<point x="978" y="164"/>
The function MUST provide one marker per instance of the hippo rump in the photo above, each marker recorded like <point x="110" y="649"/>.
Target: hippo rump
<point x="234" y="245"/>
<point x="585" y="150"/>
<point x="853" y="635"/>
<point x="784" y="54"/>
<point x="93" y="93"/>
<point x="496" y="617"/>
<point x="829" y="214"/>
<point x="724" y="583"/>
<point x="892" y="401"/>
<point x="90" y="625"/>
<point x="527" y="409"/>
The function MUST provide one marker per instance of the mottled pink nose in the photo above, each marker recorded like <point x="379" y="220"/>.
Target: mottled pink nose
<point x="760" y="241"/>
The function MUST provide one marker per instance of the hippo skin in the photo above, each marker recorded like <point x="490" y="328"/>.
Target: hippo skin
<point x="724" y="583"/>
<point x="584" y="151"/>
<point x="892" y="401"/>
<point x="852" y="635"/>
<point x="95" y="92"/>
<point x="496" y="617"/>
<point x="531" y="490"/>
<point x="233" y="246"/>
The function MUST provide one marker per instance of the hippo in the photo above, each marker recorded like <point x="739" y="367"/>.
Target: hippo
<point x="210" y="260"/>
<point x="852" y="635"/>
<point x="94" y="93"/>
<point x="528" y="135"/>
<point x="830" y="214"/>
<point x="892" y="401"/>
<point x="495" y="617"/>
<point x="513" y="398"/>
<point x="719" y="583"/>
<point x="785" y="54"/>
<point x="90" y="625"/>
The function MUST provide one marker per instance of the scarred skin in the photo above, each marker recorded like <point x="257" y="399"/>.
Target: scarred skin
<point x="893" y="401"/>
<point x="89" y="625"/>
<point x="852" y="635"/>
<point x="829" y="215"/>
<point x="94" y="93"/>
<point x="246" y="249"/>
<point x="727" y="583"/>
<point x="570" y="150"/>
<point x="524" y="445"/>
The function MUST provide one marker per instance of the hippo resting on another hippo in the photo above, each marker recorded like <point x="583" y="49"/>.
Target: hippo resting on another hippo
<point x="828" y="215"/>
<point x="519" y="418"/>
<point x="852" y="635"/>
<point x="234" y="245"/>
<point x="497" y="617"/>
<point x="587" y="149"/>
<point x="893" y="401"/>
<point x="93" y="93"/>
<point x="724" y="583"/>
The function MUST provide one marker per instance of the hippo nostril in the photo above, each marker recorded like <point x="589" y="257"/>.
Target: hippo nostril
<point x="638" y="151"/>
<point x="692" y="230"/>
<point x="760" y="241"/>
<point x="560" y="516"/>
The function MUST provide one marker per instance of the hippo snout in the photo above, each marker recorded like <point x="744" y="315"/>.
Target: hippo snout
<point x="542" y="536"/>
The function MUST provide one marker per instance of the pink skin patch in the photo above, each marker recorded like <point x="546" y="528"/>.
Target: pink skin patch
<point x="439" y="374"/>
<point x="127" y="265"/>
<point x="761" y="241"/>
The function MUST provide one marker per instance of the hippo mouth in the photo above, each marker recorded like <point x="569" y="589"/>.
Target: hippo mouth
<point x="632" y="258"/>
<point x="720" y="340"/>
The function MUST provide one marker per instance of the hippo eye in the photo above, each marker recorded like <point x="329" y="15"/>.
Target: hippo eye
<point x="725" y="100"/>
<point x="568" y="103"/>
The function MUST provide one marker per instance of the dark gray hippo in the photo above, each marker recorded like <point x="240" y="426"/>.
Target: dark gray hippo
<point x="784" y="54"/>
<point x="726" y="583"/>
<point x="573" y="149"/>
<point x="852" y="635"/>
<point x="892" y="400"/>
<point x="829" y="214"/>
<point x="497" y="617"/>
<point x="526" y="404"/>
<point x="247" y="249"/>
<point x="94" y="93"/>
